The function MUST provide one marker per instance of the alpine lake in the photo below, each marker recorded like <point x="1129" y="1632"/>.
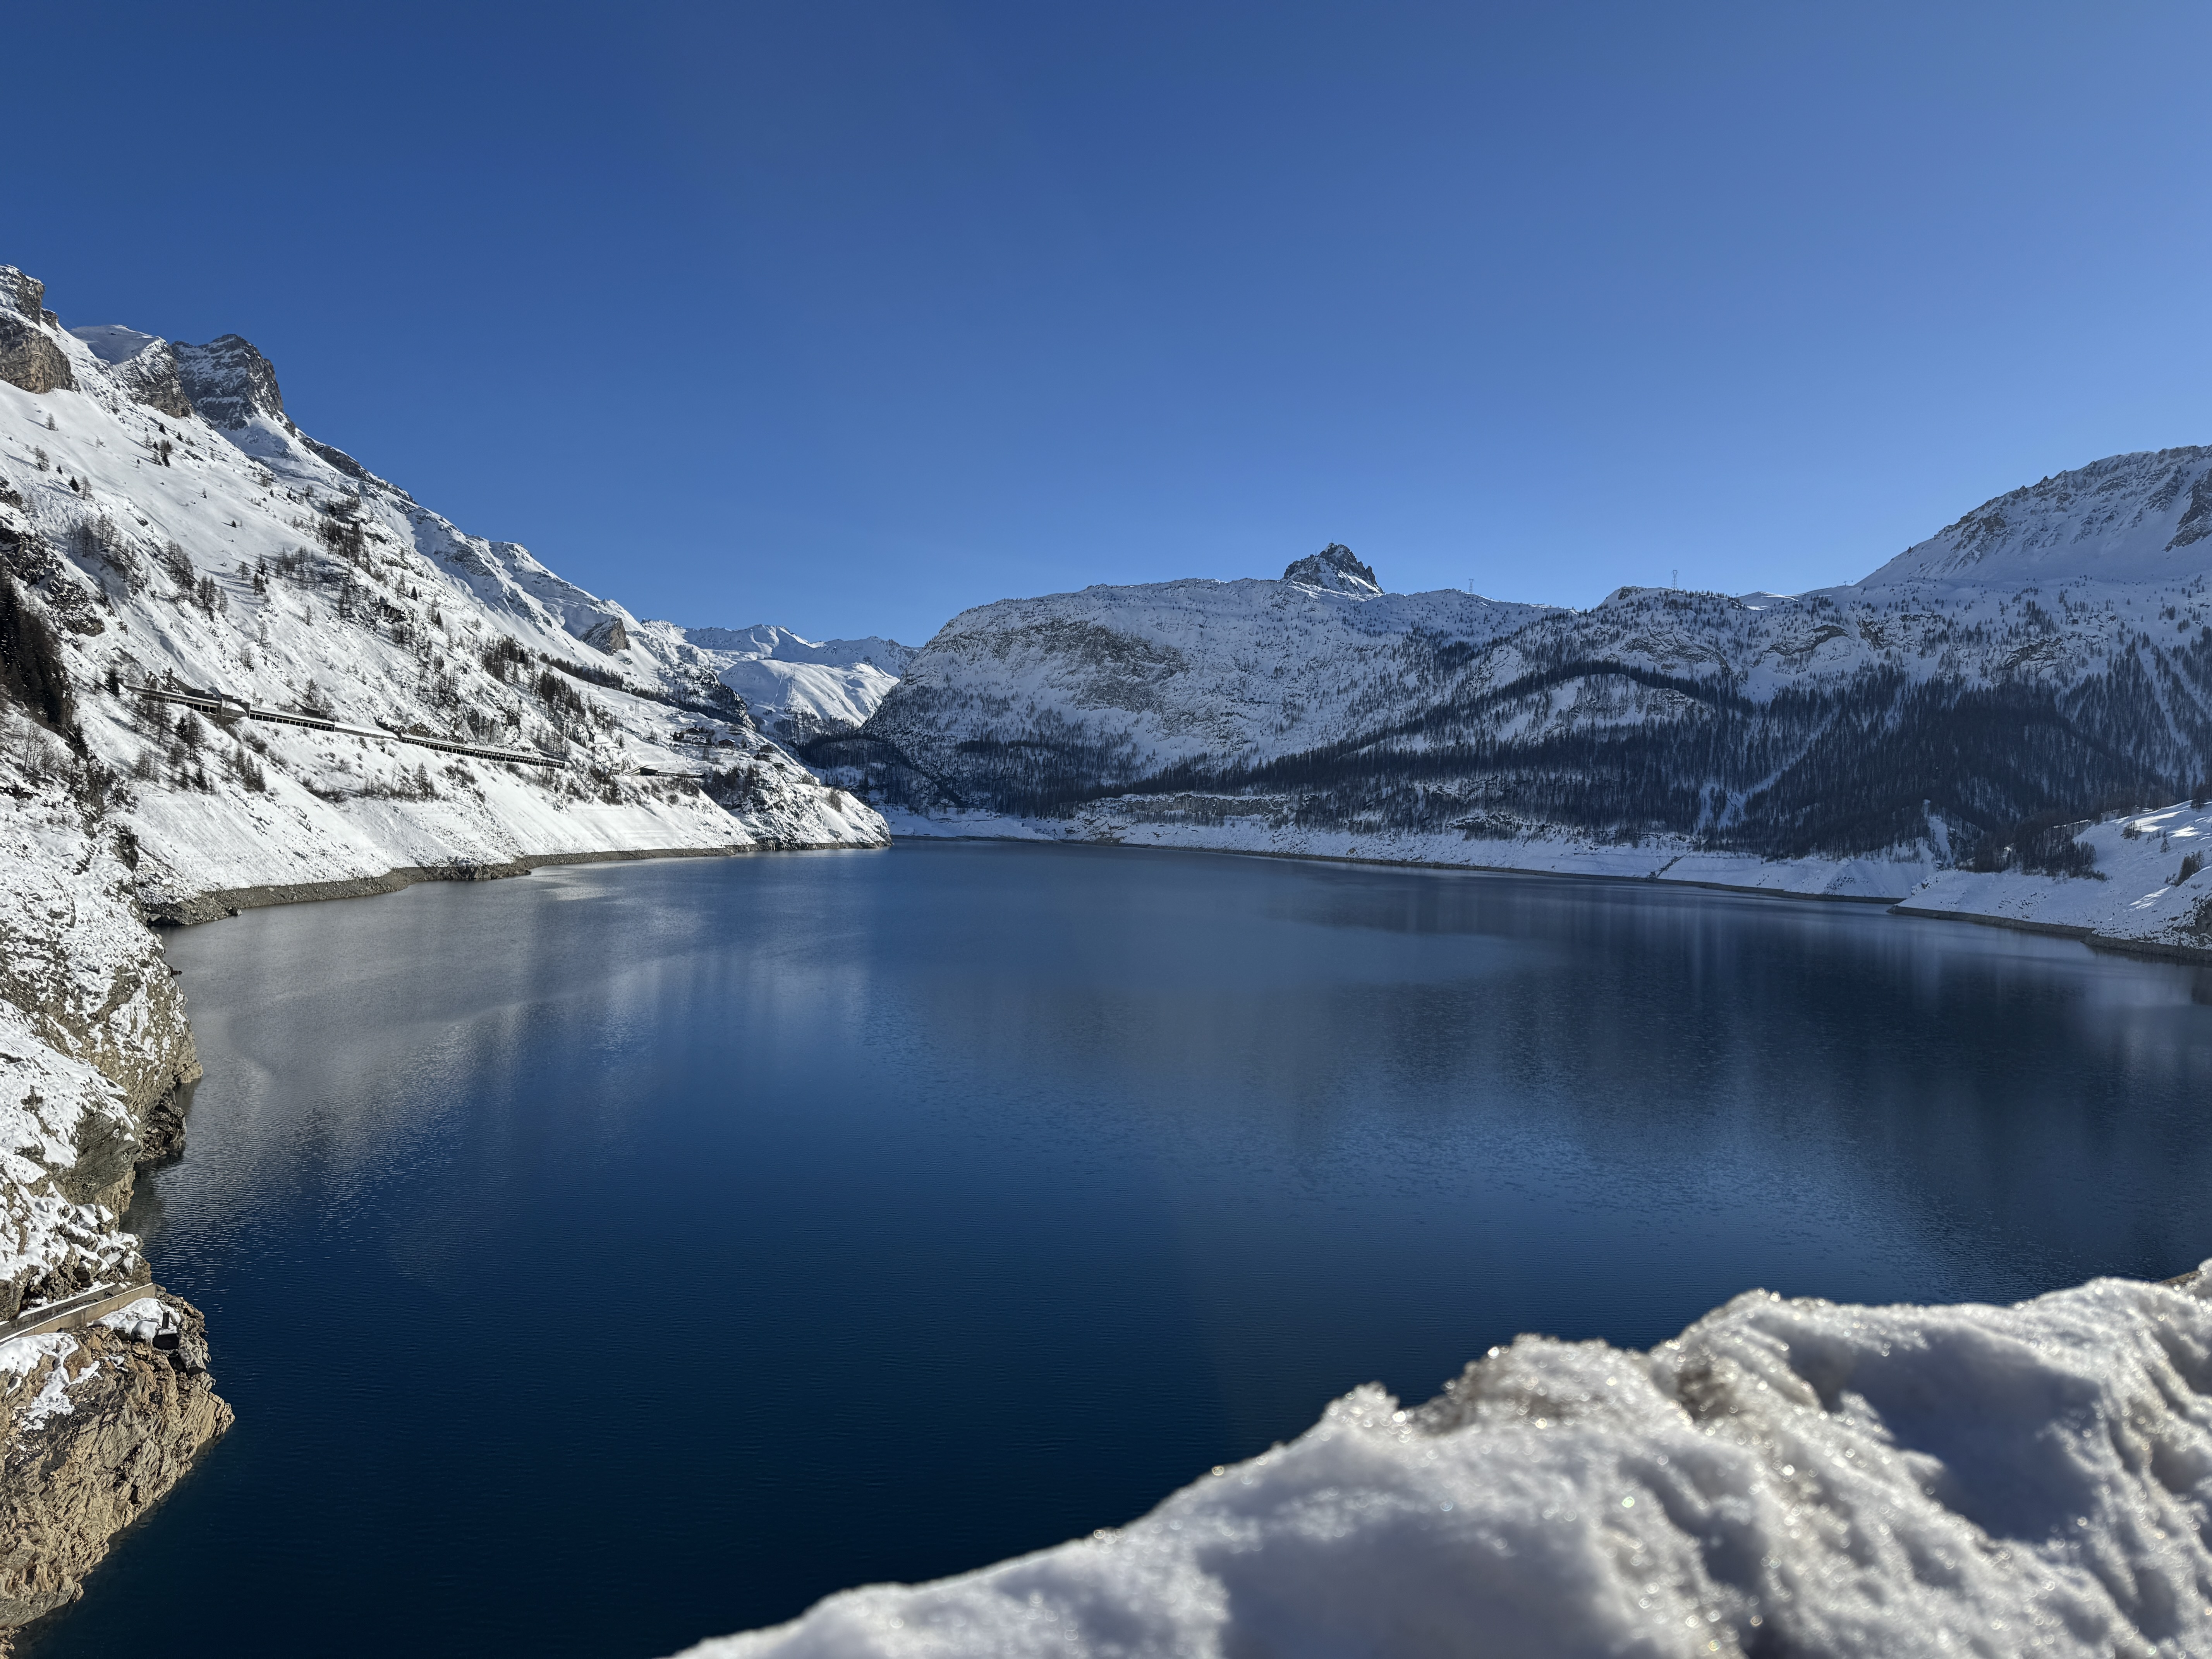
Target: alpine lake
<point x="626" y="1254"/>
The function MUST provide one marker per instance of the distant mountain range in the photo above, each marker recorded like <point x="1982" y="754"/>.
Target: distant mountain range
<point x="2047" y="655"/>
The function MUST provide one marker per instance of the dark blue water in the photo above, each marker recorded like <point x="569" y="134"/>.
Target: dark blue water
<point x="605" y="1259"/>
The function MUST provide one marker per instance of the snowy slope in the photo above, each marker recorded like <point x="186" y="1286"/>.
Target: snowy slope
<point x="2138" y="517"/>
<point x="97" y="1424"/>
<point x="2139" y="889"/>
<point x="92" y="1032"/>
<point x="1787" y="1478"/>
<point x="222" y="548"/>
<point x="2049" y="655"/>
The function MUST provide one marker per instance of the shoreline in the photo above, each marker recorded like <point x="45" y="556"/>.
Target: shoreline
<point x="2110" y="944"/>
<point x="218" y="903"/>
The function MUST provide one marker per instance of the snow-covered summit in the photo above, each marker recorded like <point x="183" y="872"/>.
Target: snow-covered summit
<point x="1335" y="569"/>
<point x="768" y="642"/>
<point x="2135" y="517"/>
<point x="1110" y="685"/>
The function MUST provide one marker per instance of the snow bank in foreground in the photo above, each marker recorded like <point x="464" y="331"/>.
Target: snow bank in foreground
<point x="1784" y="1478"/>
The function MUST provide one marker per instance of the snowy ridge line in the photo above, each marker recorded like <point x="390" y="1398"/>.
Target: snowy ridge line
<point x="218" y="704"/>
<point x="72" y="1312"/>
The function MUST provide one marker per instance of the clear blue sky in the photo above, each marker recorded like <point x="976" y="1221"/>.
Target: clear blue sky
<point x="848" y="316"/>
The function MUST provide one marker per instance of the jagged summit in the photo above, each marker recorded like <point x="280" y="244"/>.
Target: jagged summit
<point x="226" y="382"/>
<point x="2135" y="517"/>
<point x="229" y="382"/>
<point x="1337" y="569"/>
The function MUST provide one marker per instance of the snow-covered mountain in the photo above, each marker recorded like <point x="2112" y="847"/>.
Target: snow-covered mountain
<point x="800" y="688"/>
<point x="176" y="527"/>
<point x="2048" y="656"/>
<point x="1012" y="704"/>
<point x="2133" y="519"/>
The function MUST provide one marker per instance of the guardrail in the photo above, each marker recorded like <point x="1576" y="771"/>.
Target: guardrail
<point x="72" y="1313"/>
<point x="214" y="702"/>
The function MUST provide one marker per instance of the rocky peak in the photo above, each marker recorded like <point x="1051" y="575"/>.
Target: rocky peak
<point x="24" y="295"/>
<point x="1336" y="570"/>
<point x="29" y="356"/>
<point x="229" y="382"/>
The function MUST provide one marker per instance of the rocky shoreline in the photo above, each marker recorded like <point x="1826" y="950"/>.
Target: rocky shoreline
<point x="98" y="1422"/>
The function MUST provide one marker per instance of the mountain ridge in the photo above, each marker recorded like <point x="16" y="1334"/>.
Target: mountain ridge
<point x="2046" y="657"/>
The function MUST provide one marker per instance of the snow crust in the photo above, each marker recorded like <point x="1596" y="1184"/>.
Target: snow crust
<point x="1786" y="1477"/>
<point x="35" y="1381"/>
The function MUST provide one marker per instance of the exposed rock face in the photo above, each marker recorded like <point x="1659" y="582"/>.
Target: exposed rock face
<point x="229" y="382"/>
<point x="609" y="636"/>
<point x="99" y="1426"/>
<point x="24" y="295"/>
<point x="153" y="379"/>
<point x="1335" y="568"/>
<point x="29" y="356"/>
<point x="345" y="463"/>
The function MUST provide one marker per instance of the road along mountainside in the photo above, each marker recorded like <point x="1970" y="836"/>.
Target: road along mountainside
<point x="239" y="668"/>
